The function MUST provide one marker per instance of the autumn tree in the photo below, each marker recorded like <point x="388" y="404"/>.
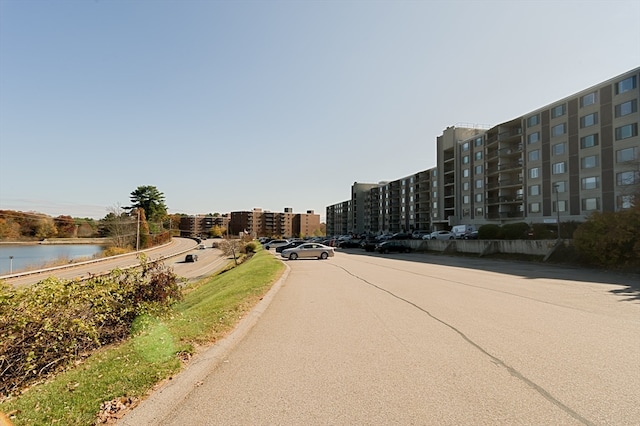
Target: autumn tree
<point x="66" y="226"/>
<point x="9" y="229"/>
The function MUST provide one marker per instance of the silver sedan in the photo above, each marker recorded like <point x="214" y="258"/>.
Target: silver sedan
<point x="308" y="250"/>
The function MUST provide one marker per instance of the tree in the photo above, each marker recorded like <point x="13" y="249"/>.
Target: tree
<point x="119" y="226"/>
<point x="66" y="226"/>
<point x="149" y="199"/>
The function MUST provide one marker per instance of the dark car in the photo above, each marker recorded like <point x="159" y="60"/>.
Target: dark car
<point x="400" y="236"/>
<point x="191" y="258"/>
<point x="369" y="245"/>
<point x="292" y="244"/>
<point x="392" y="246"/>
<point x="473" y="235"/>
<point x="349" y="244"/>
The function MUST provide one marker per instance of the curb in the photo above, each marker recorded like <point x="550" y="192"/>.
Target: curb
<point x="162" y="402"/>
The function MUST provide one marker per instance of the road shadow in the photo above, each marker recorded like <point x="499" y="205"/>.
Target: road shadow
<point x="531" y="270"/>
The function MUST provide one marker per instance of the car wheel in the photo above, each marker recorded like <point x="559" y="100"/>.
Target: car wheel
<point x="324" y="255"/>
<point x="451" y="238"/>
<point x="293" y="256"/>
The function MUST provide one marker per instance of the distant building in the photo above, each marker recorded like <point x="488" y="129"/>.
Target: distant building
<point x="570" y="158"/>
<point x="201" y="225"/>
<point x="259" y="223"/>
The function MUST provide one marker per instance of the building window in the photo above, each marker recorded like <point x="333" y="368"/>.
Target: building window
<point x="589" y="141"/>
<point x="465" y="172"/>
<point x="534" y="155"/>
<point x="465" y="199"/>
<point x="534" y="208"/>
<point x="626" y="85"/>
<point x="534" y="172"/>
<point x="559" y="168"/>
<point x="478" y="142"/>
<point x="559" y="148"/>
<point x="478" y="198"/>
<point x="435" y="183"/>
<point x="465" y="159"/>
<point x="465" y="186"/>
<point x="558" y="111"/>
<point x="588" y="120"/>
<point x="589" y="204"/>
<point x="591" y="182"/>
<point x="625" y="201"/>
<point x="479" y="211"/>
<point x="627" y="154"/>
<point x="478" y="183"/>
<point x="479" y="155"/>
<point x="558" y="130"/>
<point x="589" y="99"/>
<point x="435" y="205"/>
<point x="560" y="186"/>
<point x="533" y="137"/>
<point x="533" y="120"/>
<point x="534" y="190"/>
<point x="626" y="108"/>
<point x="590" y="162"/>
<point x="560" y="206"/>
<point x="478" y="170"/>
<point x="465" y="146"/>
<point x="628" y="131"/>
<point x="630" y="177"/>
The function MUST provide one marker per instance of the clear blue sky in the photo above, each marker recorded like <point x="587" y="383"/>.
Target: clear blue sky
<point x="231" y="105"/>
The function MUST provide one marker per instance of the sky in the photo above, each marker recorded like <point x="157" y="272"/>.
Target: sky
<point x="234" y="105"/>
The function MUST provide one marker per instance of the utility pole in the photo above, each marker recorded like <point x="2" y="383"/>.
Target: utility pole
<point x="138" y="232"/>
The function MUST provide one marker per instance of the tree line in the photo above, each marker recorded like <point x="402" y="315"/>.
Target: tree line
<point x="142" y="224"/>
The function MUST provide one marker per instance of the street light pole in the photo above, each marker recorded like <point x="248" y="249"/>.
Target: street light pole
<point x="10" y="265"/>
<point x="555" y="186"/>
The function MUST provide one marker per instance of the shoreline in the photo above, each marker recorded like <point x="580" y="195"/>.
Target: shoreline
<point x="59" y="241"/>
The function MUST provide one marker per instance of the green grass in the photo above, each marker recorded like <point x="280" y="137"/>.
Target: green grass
<point x="211" y="308"/>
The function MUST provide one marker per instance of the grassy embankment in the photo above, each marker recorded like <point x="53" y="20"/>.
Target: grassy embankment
<point x="210" y="309"/>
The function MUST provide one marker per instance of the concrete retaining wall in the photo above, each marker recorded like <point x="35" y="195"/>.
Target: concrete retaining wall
<point x="486" y="247"/>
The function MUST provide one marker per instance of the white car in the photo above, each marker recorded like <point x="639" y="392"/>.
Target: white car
<point x="308" y="250"/>
<point x="440" y="235"/>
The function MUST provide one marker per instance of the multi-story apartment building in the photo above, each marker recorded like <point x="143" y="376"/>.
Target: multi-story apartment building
<point x="200" y="225"/>
<point x="563" y="161"/>
<point x="258" y="223"/>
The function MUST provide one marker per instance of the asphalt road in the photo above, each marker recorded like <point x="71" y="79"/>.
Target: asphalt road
<point x="420" y="339"/>
<point x="210" y="260"/>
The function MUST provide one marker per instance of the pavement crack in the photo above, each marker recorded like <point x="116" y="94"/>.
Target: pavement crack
<point x="515" y="373"/>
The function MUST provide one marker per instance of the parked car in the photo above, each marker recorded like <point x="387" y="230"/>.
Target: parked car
<point x="460" y="230"/>
<point x="440" y="235"/>
<point x="419" y="234"/>
<point x="349" y="244"/>
<point x="201" y="247"/>
<point x="400" y="236"/>
<point x="473" y="235"/>
<point x="308" y="250"/>
<point x="275" y="243"/>
<point x="369" y="244"/>
<point x="291" y="244"/>
<point x="191" y="258"/>
<point x="392" y="246"/>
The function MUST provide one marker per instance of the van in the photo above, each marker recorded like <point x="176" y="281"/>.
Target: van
<point x="201" y="246"/>
<point x="460" y="230"/>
